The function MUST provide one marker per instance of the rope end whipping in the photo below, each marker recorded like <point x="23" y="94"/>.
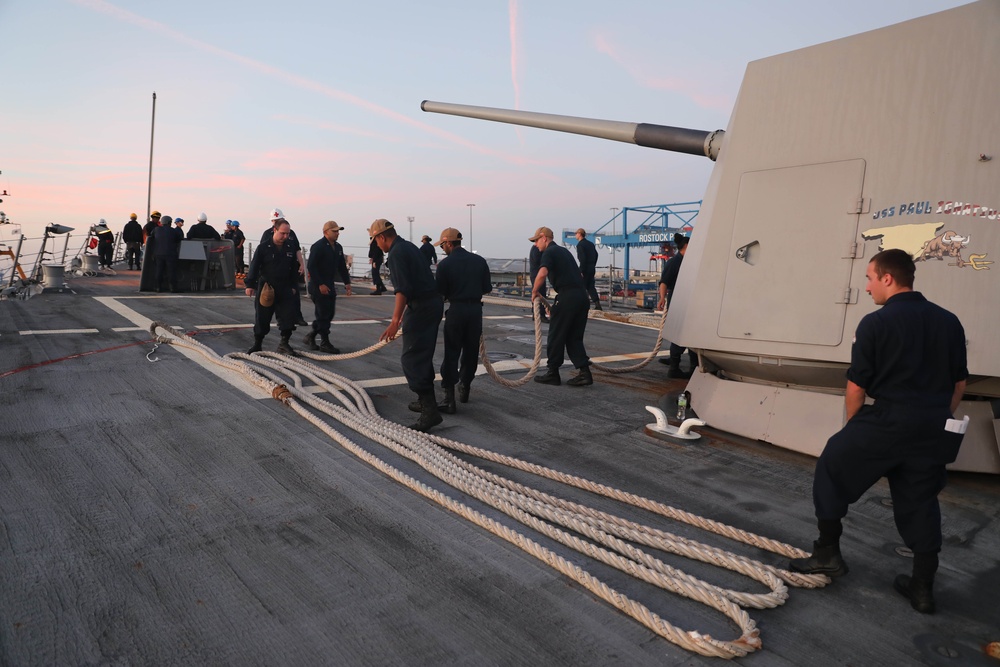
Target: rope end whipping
<point x="281" y="393"/>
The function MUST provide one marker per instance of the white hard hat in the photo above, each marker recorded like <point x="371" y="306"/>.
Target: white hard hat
<point x="276" y="214"/>
<point x="102" y="221"/>
<point x="202" y="217"/>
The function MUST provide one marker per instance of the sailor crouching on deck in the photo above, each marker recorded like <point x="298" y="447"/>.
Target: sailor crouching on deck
<point x="418" y="308"/>
<point x="274" y="270"/>
<point x="910" y="357"/>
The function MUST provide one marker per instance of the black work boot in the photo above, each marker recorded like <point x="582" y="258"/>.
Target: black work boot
<point x="447" y="404"/>
<point x="285" y="345"/>
<point x="551" y="377"/>
<point x="416" y="406"/>
<point x="429" y="415"/>
<point x="581" y="379"/>
<point x="920" y="592"/>
<point x="675" y="371"/>
<point x="326" y="346"/>
<point x="463" y="392"/>
<point x="824" y="560"/>
<point x="257" y="342"/>
<point x="919" y="588"/>
<point x="310" y="341"/>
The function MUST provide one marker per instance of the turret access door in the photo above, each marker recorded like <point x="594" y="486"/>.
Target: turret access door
<point x="789" y="271"/>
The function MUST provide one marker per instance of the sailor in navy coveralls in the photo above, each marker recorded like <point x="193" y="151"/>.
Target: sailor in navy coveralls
<point x="910" y="356"/>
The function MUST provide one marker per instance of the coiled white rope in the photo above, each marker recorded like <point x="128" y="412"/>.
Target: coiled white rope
<point x="541" y="511"/>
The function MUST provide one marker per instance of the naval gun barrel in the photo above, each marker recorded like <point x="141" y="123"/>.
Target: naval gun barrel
<point x="662" y="137"/>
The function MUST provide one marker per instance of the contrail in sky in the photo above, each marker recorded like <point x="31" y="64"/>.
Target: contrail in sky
<point x="514" y="74"/>
<point x="154" y="26"/>
<point x="512" y="10"/>
<point x="677" y="85"/>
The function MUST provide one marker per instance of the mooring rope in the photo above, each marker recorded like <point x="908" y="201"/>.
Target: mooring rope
<point x="642" y="319"/>
<point x="614" y="538"/>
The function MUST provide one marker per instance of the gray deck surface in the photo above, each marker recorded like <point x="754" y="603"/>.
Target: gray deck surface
<point x="158" y="514"/>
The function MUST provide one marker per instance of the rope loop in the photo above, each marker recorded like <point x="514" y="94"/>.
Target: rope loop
<point x="624" y="544"/>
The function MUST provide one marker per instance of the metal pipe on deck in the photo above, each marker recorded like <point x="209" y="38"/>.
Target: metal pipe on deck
<point x="661" y="137"/>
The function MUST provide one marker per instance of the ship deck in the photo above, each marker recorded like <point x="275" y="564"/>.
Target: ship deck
<point x="164" y="512"/>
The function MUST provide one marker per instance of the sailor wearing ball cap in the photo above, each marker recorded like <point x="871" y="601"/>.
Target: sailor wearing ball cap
<point x="326" y="264"/>
<point x="569" y="310"/>
<point x="418" y="309"/>
<point x="428" y="250"/>
<point x="462" y="279"/>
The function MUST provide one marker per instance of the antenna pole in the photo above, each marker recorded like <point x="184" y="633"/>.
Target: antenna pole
<point x="152" y="131"/>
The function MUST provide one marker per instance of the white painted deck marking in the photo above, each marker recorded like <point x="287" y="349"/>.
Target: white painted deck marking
<point x="231" y="377"/>
<point x="44" y="332"/>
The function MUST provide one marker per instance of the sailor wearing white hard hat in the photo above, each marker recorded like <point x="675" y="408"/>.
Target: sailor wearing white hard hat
<point x="276" y="217"/>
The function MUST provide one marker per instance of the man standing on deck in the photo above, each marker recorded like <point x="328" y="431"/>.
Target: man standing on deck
<point x="569" y="310"/>
<point x="376" y="257"/>
<point x="105" y="243"/>
<point x="273" y="278"/>
<point x="234" y="234"/>
<point x="668" y="279"/>
<point x="166" y="246"/>
<point x="326" y="263"/>
<point x="293" y="241"/>
<point x="462" y="279"/>
<point x="428" y="250"/>
<point x="586" y="253"/>
<point x="418" y="308"/>
<point x="132" y="236"/>
<point x="202" y="230"/>
<point x="910" y="357"/>
<point x="150" y="227"/>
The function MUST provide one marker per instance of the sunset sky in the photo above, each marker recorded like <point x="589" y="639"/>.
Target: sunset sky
<point x="314" y="107"/>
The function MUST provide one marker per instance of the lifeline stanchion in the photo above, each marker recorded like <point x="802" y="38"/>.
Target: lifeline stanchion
<point x="611" y="539"/>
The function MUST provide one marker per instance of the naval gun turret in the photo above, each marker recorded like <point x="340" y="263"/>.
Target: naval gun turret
<point x="663" y="137"/>
<point x="833" y="153"/>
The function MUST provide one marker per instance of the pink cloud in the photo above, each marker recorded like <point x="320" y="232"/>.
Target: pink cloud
<point x="639" y="71"/>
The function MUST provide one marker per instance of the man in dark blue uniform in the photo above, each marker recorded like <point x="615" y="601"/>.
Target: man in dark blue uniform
<point x="586" y="254"/>
<point x="166" y="247"/>
<point x="278" y="217"/>
<point x="376" y="258"/>
<point x="418" y="308"/>
<point x="668" y="279"/>
<point x="133" y="238"/>
<point x="275" y="263"/>
<point x="462" y="279"/>
<point x="203" y="230"/>
<point x="234" y="234"/>
<point x="569" y="311"/>
<point x="910" y="357"/>
<point x="326" y="263"/>
<point x="428" y="250"/>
